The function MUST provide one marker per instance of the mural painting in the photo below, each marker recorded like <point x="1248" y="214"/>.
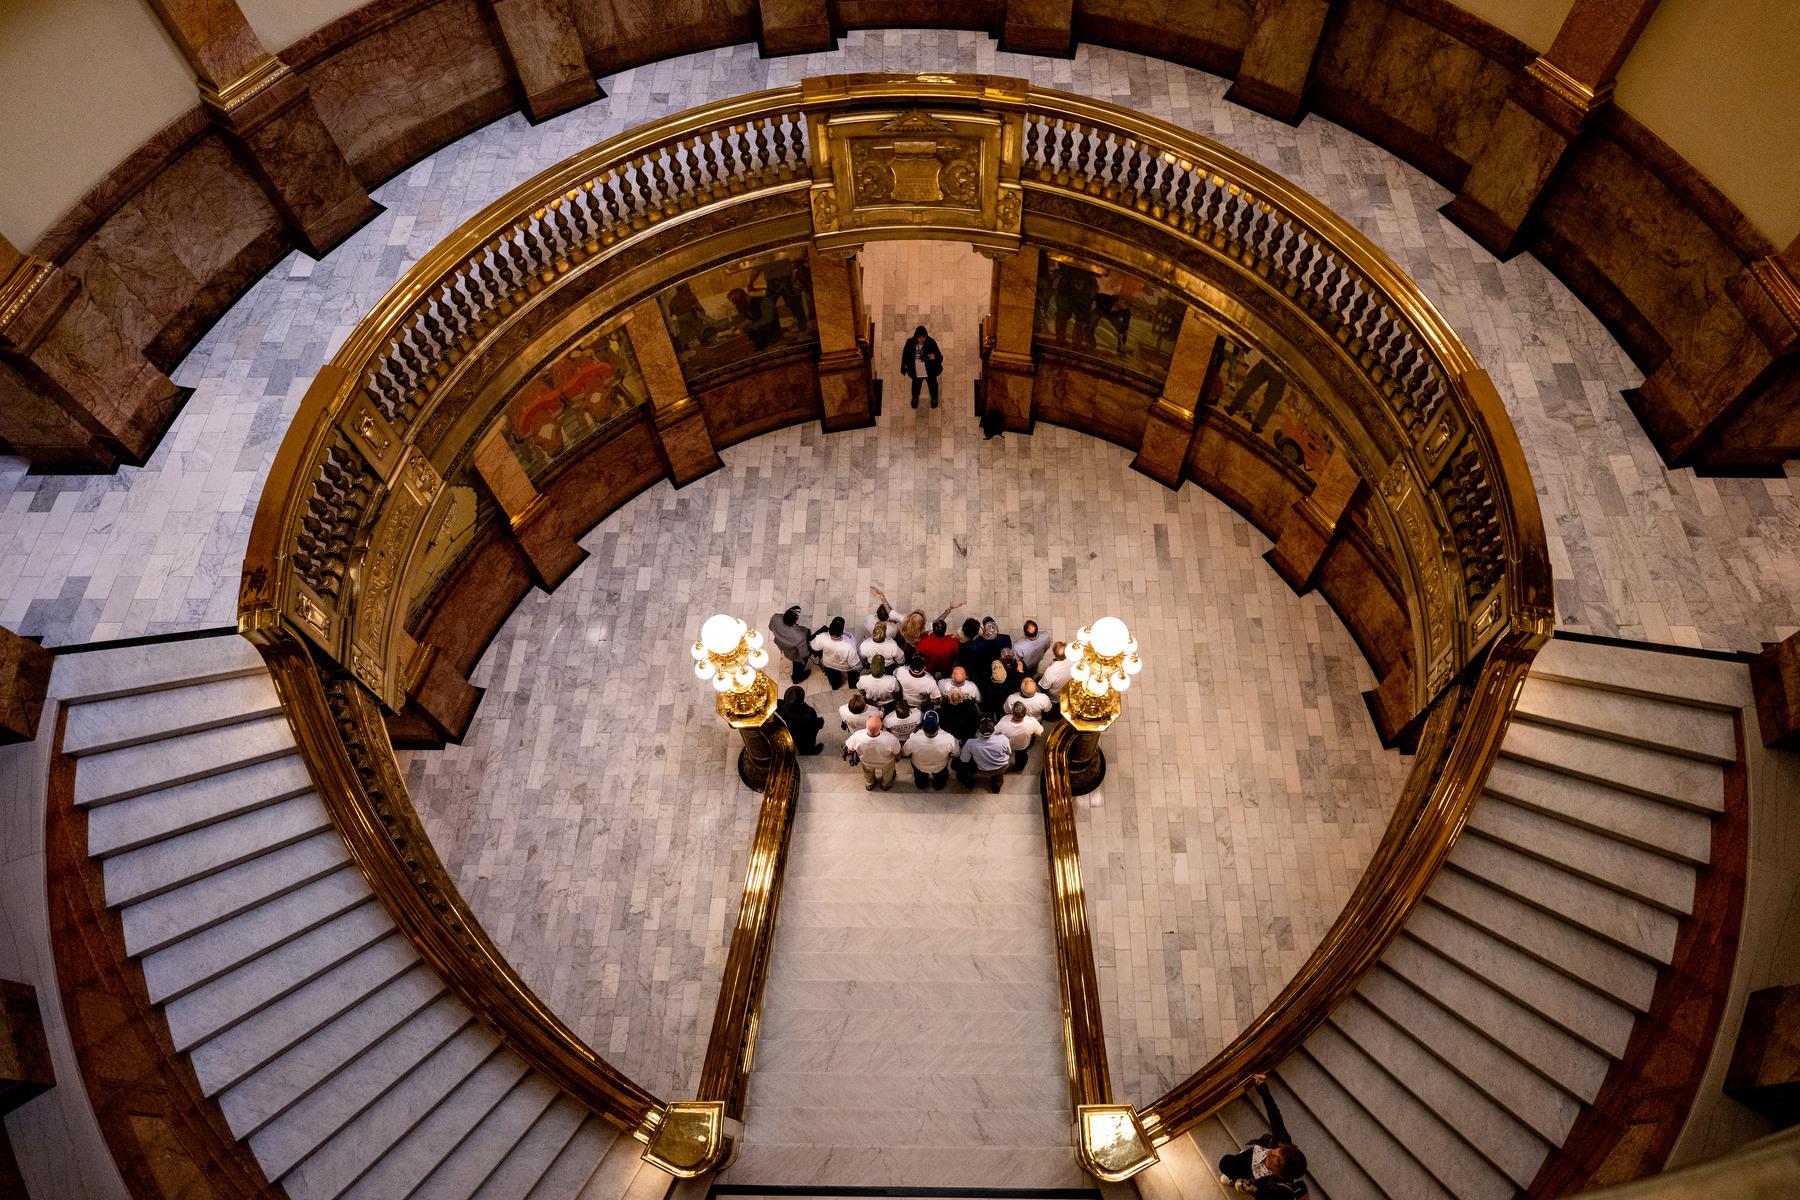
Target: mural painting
<point x="1247" y="387"/>
<point x="1104" y="313"/>
<point x="466" y="510"/>
<point x="572" y="398"/>
<point x="732" y="315"/>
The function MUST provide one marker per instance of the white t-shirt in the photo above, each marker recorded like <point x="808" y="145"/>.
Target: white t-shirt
<point x="880" y="689"/>
<point x="917" y="687"/>
<point x="1055" y="676"/>
<point x="1036" y="704"/>
<point x="877" y="751"/>
<point x="838" y="653"/>
<point x="893" y="624"/>
<point x="1019" y="733"/>
<point x="931" y="752"/>
<point x="902" y="727"/>
<point x="966" y="687"/>
<point x="855" y="720"/>
<point x="889" y="651"/>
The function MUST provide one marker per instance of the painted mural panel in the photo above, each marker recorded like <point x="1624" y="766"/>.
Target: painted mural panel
<point x="1100" y="312"/>
<point x="1247" y="387"/>
<point x="466" y="510"/>
<point x="729" y="317"/>
<point x="572" y="398"/>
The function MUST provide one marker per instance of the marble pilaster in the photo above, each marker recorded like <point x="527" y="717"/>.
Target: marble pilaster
<point x="845" y="384"/>
<point x="1278" y="61"/>
<point x="544" y="49"/>
<point x="680" y="422"/>
<point x="1170" y="428"/>
<point x="534" y="524"/>
<point x="795" y="26"/>
<point x="1007" y="367"/>
<point x="1038" y="27"/>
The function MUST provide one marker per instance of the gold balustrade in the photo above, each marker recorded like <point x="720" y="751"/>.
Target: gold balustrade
<point x="335" y="553"/>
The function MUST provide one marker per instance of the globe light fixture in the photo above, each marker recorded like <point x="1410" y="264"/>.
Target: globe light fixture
<point x="1104" y="660"/>
<point x="730" y="654"/>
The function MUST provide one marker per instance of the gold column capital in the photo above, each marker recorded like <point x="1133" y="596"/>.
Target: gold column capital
<point x="695" y="1137"/>
<point x="1111" y="1142"/>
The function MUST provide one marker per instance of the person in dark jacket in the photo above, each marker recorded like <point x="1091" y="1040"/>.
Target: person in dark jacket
<point x="1271" y="1166"/>
<point x="922" y="362"/>
<point x="802" y="720"/>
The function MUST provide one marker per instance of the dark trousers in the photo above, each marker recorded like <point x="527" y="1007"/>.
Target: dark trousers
<point x="801" y="669"/>
<point x="1020" y="757"/>
<point x="837" y="678"/>
<point x="921" y="780"/>
<point x="929" y="380"/>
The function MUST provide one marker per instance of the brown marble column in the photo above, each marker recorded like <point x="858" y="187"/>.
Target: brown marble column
<point x="551" y="553"/>
<point x="1746" y="416"/>
<point x="681" y="427"/>
<point x="265" y="109"/>
<point x="844" y="379"/>
<point x="1559" y="96"/>
<point x="76" y="394"/>
<point x="1007" y="368"/>
<point x="1278" y="61"/>
<point x="545" y="51"/>
<point x="1162" y="455"/>
<point x="1038" y="27"/>
<point x="795" y="27"/>
<point x="1775" y="675"/>
<point x="1310" y="525"/>
<point x="24" y="681"/>
<point x="25" y="1069"/>
<point x="1765" y="1064"/>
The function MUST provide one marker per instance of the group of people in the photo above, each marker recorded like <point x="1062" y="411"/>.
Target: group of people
<point x="970" y="703"/>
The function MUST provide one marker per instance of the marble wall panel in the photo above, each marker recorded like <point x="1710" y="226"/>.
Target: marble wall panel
<point x="1369" y="78"/>
<point x="1209" y="34"/>
<point x="932" y="14"/>
<point x="1064" y="394"/>
<point x="623" y="33"/>
<point x="773" y="397"/>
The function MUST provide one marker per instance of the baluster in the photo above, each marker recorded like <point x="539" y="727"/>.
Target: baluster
<point x="1134" y="170"/>
<point x="709" y="164"/>
<point x="729" y="140"/>
<point x="782" y="150"/>
<point x="589" y="219"/>
<point x="1210" y="202"/>
<point x="760" y="146"/>
<point x="797" y="137"/>
<point x="1030" y="163"/>
<point x="659" y="173"/>
<point x="609" y="199"/>
<point x="1183" y="216"/>
<point x="1116" y="170"/>
<point x="630" y="201"/>
<point x="1079" y="167"/>
<point x="678" y="159"/>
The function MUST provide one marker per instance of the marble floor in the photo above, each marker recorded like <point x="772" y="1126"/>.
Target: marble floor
<point x="592" y="820"/>
<point x="1638" y="551"/>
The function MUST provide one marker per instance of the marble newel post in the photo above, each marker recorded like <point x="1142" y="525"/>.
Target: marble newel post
<point x="76" y="393"/>
<point x="1562" y="91"/>
<point x="264" y="107"/>
<point x="1169" y="431"/>
<point x="1007" y="369"/>
<point x="844" y="378"/>
<point x="681" y="427"/>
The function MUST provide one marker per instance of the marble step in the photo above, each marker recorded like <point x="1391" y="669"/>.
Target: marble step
<point x="1530" y="1098"/>
<point x="374" y="1132"/>
<point x="534" y="1155"/>
<point x="1651" y="878"/>
<point x="789" y="1023"/>
<point x="1244" y="1123"/>
<point x="833" y="1165"/>
<point x="904" y="1085"/>
<point x="104" y="674"/>
<point x="975" y="997"/>
<point x="1627" y="923"/>
<point x="355" y="1040"/>
<point x="1375" y="1152"/>
<point x="1547" y="1048"/>
<point x="176" y="970"/>
<point x="1333" y="1173"/>
<point x="1018" y="797"/>
<point x="885" y="1125"/>
<point x="1037" y="1056"/>
<point x="1669" y="725"/>
<point x="791" y="938"/>
<point x="148" y="871"/>
<point x="1194" y="1161"/>
<point x="920" y="888"/>
<point x="904" y="862"/>
<point x="163" y="920"/>
<point x="120" y="774"/>
<point x="611" y="1171"/>
<point x="1679" y="833"/>
<point x="152" y="716"/>
<point x="1595" y="1019"/>
<point x="217" y="1006"/>
<point x="1029" y="968"/>
<point x="942" y="831"/>
<point x="270" y="1031"/>
<point x="1667" y="777"/>
<point x="151" y="817"/>
<point x="405" y="1164"/>
<point x="464" y="1170"/>
<point x="1626" y="977"/>
<point x="1505" y="1143"/>
<point x="1696" y="681"/>
<point x="797" y="911"/>
<point x="1429" y="1140"/>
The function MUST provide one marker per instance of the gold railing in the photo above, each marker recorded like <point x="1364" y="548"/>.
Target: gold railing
<point x="698" y="1135"/>
<point x="335" y="552"/>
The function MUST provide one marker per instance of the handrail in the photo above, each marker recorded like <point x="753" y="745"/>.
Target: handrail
<point x="361" y="787"/>
<point x="1083" y="1040"/>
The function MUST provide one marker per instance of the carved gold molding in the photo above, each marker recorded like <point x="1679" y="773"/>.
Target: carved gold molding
<point x="1776" y="280"/>
<point x="246" y="87"/>
<point x="18" y="289"/>
<point x="1581" y="99"/>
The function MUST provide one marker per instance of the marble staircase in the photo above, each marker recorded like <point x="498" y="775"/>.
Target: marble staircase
<point x="336" y="1055"/>
<point x="912" y="1029"/>
<point x="1464" y="1058"/>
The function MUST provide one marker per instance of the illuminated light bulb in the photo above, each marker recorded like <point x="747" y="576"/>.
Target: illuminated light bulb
<point x="1110" y="638"/>
<point x="721" y="634"/>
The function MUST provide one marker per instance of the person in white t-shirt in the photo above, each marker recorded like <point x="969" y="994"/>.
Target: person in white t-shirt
<point x="1021" y="729"/>
<point x="838" y="653"/>
<point x="854" y="714"/>
<point x="903" y="720"/>
<point x="1055" y="675"/>
<point x="876" y="751"/>
<point x="1035" y="701"/>
<point x="918" y="684"/>
<point x="959" y="681"/>
<point x="881" y="642"/>
<point x="877" y="684"/>
<point x="931" y="750"/>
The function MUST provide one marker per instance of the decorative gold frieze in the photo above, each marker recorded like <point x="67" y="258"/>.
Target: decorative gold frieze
<point x="17" y="290"/>
<point x="246" y="87"/>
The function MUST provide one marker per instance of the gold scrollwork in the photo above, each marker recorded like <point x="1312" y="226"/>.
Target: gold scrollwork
<point x="825" y="210"/>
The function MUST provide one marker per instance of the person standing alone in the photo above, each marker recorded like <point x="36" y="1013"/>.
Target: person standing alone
<point x="922" y="362"/>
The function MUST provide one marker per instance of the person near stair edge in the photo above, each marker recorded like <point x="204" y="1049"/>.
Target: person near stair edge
<point x="802" y="720"/>
<point x="1270" y="1166"/>
<point x="922" y="362"/>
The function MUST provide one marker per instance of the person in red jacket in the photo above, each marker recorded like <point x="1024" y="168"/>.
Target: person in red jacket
<point x="938" y="648"/>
